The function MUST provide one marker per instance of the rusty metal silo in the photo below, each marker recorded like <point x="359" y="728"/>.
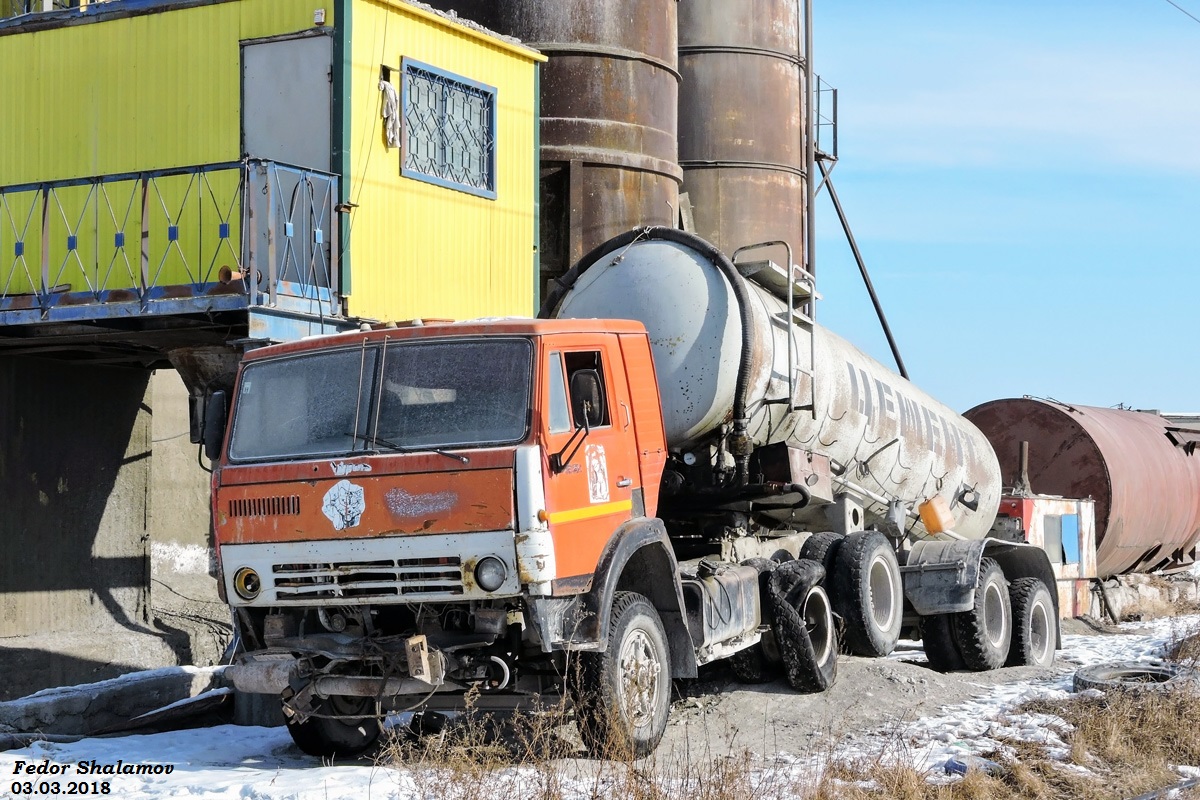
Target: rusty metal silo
<point x="1140" y="470"/>
<point x="609" y="115"/>
<point x="742" y="120"/>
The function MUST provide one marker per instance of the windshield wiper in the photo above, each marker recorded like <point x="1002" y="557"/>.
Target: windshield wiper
<point x="399" y="448"/>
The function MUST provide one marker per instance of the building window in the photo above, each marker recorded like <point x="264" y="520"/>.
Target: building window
<point x="449" y="130"/>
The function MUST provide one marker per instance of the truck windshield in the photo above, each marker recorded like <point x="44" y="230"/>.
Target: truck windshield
<point x="411" y="396"/>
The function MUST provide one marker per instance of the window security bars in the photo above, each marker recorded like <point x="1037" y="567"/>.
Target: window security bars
<point x="449" y="130"/>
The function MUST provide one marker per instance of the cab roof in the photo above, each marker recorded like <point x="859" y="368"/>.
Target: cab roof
<point x="433" y="329"/>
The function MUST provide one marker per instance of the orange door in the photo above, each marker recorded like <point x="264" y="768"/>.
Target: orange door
<point x="591" y="471"/>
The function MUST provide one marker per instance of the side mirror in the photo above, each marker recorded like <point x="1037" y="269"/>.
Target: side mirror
<point x="196" y="418"/>
<point x="214" y="425"/>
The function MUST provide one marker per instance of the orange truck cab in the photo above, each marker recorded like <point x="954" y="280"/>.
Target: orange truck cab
<point x="412" y="512"/>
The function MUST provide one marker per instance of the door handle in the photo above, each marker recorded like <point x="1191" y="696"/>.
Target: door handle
<point x="625" y="408"/>
<point x="621" y="484"/>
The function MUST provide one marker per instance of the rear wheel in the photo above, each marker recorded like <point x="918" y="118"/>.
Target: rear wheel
<point x="823" y="547"/>
<point x="937" y="637"/>
<point x="984" y="632"/>
<point x="341" y="727"/>
<point x="803" y="624"/>
<point x="1035" y="624"/>
<point x="751" y="665"/>
<point x="623" y="693"/>
<point x="868" y="593"/>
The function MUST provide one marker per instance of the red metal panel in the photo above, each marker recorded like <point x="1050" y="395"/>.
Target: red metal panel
<point x="647" y="415"/>
<point x="287" y="509"/>
<point x="1147" y="490"/>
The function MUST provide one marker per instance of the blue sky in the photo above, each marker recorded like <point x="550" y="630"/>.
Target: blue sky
<point x="1023" y="178"/>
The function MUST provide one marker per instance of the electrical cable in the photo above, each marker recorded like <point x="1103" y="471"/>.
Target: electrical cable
<point x="1184" y="10"/>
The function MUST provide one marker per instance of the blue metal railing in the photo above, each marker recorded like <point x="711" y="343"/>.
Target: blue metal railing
<point x="211" y="237"/>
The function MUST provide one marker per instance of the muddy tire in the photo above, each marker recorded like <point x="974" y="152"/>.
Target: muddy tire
<point x="984" y="633"/>
<point x="823" y="548"/>
<point x="1035" y="624"/>
<point x="353" y="735"/>
<point x="937" y="637"/>
<point x="868" y="593"/>
<point x="751" y="666"/>
<point x="623" y="693"/>
<point x="1132" y="676"/>
<point x="803" y="625"/>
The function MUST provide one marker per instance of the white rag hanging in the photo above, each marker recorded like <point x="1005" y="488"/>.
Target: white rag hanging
<point x="391" y="113"/>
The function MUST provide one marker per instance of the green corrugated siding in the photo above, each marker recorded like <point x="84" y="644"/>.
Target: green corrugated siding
<point x="147" y="92"/>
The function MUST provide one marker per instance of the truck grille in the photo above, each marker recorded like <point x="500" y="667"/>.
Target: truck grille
<point x="282" y="506"/>
<point x="367" y="579"/>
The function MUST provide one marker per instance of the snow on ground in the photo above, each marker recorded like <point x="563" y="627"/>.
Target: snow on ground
<point x="250" y="763"/>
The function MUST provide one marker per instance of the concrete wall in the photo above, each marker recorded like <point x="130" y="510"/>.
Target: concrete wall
<point x="74" y="481"/>
<point x="179" y="524"/>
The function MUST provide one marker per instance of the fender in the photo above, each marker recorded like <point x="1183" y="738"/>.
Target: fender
<point x="638" y="558"/>
<point x="940" y="577"/>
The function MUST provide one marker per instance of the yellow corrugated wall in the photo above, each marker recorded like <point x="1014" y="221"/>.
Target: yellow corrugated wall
<point x="420" y="250"/>
<point x="124" y="95"/>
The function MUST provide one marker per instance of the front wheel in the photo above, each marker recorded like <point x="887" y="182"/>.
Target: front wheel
<point x="623" y="693"/>
<point x="341" y="727"/>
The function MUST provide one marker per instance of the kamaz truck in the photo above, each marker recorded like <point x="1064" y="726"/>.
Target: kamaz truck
<point x="675" y="465"/>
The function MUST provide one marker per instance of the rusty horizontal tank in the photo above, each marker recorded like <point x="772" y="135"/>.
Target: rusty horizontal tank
<point x="741" y="120"/>
<point x="886" y="438"/>
<point x="1144" y="479"/>
<point x="609" y="115"/>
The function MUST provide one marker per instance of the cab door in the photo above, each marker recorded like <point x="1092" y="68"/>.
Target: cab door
<point x="591" y="462"/>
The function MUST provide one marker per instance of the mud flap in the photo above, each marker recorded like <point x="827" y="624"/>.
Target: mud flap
<point x="807" y="668"/>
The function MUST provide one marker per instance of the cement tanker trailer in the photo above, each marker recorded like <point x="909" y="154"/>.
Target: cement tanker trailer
<point x="494" y="513"/>
<point x="785" y="440"/>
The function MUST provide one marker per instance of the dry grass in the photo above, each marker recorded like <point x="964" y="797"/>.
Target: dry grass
<point x="1118" y="746"/>
<point x="1183" y="647"/>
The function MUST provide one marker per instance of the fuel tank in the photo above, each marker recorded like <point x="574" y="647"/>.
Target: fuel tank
<point x="805" y="385"/>
<point x="1137" y="466"/>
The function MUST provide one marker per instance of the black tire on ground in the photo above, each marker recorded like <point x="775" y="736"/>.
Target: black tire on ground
<point x="751" y="665"/>
<point x="868" y="593"/>
<point x="1035" y="624"/>
<point x="937" y="636"/>
<point x="623" y="693"/>
<point x="823" y="548"/>
<point x="326" y="737"/>
<point x="803" y="625"/>
<point x="984" y="633"/>
<point x="1132" y="676"/>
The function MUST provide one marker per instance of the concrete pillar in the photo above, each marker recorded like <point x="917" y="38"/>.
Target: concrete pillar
<point x="75" y="446"/>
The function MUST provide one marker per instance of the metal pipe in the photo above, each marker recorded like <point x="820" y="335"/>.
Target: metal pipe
<point x="362" y="686"/>
<point x="862" y="268"/>
<point x="810" y="156"/>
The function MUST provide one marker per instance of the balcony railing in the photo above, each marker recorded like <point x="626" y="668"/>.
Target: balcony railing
<point x="187" y="240"/>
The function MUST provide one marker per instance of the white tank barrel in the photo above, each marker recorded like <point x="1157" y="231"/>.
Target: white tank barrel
<point x="884" y="434"/>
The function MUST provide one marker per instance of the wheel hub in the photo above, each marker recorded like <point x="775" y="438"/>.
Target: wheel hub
<point x="640" y="671"/>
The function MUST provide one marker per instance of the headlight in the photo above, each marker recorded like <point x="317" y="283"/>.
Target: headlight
<point x="490" y="573"/>
<point x="247" y="583"/>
